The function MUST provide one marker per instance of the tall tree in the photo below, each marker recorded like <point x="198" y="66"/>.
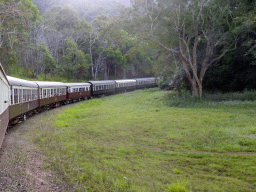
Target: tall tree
<point x="194" y="30"/>
<point x="47" y="62"/>
<point x="74" y="60"/>
<point x="15" y="16"/>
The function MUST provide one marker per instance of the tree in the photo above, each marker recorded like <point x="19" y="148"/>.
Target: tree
<point x="195" y="29"/>
<point x="74" y="60"/>
<point x="62" y="18"/>
<point x="15" y="16"/>
<point x="48" y="62"/>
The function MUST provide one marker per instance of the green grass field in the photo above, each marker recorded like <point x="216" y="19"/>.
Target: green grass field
<point x="137" y="142"/>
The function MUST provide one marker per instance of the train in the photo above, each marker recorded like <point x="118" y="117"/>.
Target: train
<point x="20" y="99"/>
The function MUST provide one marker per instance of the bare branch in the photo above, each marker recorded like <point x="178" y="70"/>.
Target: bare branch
<point x="153" y="40"/>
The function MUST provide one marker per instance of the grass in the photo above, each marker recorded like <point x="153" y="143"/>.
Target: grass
<point x="210" y="99"/>
<point x="138" y="141"/>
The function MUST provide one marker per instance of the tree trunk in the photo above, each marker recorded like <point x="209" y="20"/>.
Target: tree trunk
<point x="194" y="87"/>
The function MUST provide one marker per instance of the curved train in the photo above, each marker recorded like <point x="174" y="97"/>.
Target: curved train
<point x="20" y="98"/>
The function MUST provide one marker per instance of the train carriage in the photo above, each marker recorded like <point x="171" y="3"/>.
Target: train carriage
<point x="123" y="85"/>
<point x="77" y="91"/>
<point x="145" y="83"/>
<point x="102" y="87"/>
<point x="51" y="93"/>
<point x="4" y="103"/>
<point x="24" y="98"/>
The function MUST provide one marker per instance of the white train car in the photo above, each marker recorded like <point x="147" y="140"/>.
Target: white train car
<point x="4" y="103"/>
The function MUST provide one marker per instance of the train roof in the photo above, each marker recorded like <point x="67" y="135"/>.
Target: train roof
<point x="102" y="82"/>
<point x="77" y="84"/>
<point x="125" y="80"/>
<point x="145" y="79"/>
<point x="49" y="84"/>
<point x="2" y="71"/>
<point x="21" y="82"/>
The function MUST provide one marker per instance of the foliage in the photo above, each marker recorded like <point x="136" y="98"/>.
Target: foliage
<point x="75" y="63"/>
<point x="209" y="99"/>
<point x="14" y="19"/>
<point x="48" y="62"/>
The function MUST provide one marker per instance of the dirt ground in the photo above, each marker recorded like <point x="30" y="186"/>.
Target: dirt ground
<point x="21" y="163"/>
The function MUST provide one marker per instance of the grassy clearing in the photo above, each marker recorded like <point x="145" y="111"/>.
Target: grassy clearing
<point x="137" y="142"/>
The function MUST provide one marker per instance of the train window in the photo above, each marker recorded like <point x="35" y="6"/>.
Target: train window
<point x="30" y="95"/>
<point x="24" y="95"/>
<point x="34" y="94"/>
<point x="16" y="96"/>
<point x="44" y="93"/>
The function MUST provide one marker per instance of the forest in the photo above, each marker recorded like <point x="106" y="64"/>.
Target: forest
<point x="199" y="45"/>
